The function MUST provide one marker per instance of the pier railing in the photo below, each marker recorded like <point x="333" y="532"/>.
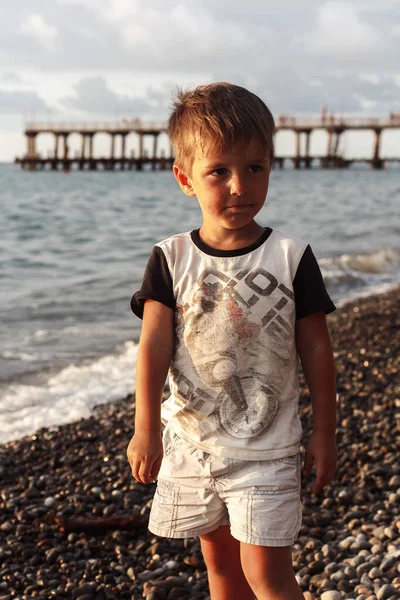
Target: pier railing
<point x="289" y="122"/>
<point x="282" y="122"/>
<point x="135" y="125"/>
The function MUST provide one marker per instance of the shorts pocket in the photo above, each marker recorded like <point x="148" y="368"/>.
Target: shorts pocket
<point x="164" y="509"/>
<point x="273" y="517"/>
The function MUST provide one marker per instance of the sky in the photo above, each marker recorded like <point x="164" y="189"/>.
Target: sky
<point x="103" y="60"/>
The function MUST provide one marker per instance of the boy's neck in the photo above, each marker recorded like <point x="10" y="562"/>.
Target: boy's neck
<point x="231" y="239"/>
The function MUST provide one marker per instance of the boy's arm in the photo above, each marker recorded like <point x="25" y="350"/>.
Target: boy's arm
<point x="154" y="357"/>
<point x="315" y="351"/>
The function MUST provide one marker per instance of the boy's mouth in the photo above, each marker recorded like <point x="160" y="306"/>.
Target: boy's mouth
<point x="238" y="207"/>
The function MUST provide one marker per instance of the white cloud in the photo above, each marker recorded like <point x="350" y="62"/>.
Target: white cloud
<point x="37" y="28"/>
<point x="119" y="10"/>
<point x="10" y="78"/>
<point x="114" y="10"/>
<point x="169" y="29"/>
<point x="341" y="33"/>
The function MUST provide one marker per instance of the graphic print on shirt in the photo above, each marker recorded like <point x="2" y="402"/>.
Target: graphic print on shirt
<point x="228" y="345"/>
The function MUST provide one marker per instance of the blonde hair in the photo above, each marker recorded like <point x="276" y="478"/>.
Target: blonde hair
<point x="217" y="117"/>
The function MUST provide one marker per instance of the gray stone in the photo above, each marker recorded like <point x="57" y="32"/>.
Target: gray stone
<point x="338" y="576"/>
<point x="390" y="533"/>
<point x="49" y="502"/>
<point x="388" y="563"/>
<point x="346" y="543"/>
<point x="375" y="573"/>
<point x="386" y="591"/>
<point x="365" y="580"/>
<point x="379" y="533"/>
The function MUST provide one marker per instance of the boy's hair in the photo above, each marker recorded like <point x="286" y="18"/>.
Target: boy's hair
<point x="216" y="117"/>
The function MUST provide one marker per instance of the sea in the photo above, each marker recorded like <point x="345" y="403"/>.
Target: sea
<point x="73" y="248"/>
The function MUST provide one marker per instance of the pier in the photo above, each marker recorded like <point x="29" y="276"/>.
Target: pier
<point x="60" y="158"/>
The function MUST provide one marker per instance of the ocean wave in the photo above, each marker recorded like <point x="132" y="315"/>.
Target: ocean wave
<point x="357" y="270"/>
<point x="67" y="395"/>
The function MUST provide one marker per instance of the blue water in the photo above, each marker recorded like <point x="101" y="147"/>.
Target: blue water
<point x="73" y="249"/>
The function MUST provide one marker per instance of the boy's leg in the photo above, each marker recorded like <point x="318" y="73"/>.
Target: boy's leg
<point x="269" y="572"/>
<point x="221" y="554"/>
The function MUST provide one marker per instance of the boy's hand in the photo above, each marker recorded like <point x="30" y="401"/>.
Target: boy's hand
<point x="145" y="452"/>
<point x="321" y="449"/>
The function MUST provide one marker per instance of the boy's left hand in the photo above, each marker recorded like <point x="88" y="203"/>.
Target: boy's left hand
<point x="321" y="449"/>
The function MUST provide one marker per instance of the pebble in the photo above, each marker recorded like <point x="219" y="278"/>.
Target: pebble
<point x="386" y="591"/>
<point x="331" y="595"/>
<point x="348" y="543"/>
<point x="50" y="502"/>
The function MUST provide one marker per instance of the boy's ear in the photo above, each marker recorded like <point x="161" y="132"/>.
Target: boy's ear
<point x="184" y="182"/>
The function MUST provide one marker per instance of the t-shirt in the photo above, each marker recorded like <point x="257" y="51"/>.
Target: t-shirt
<point x="233" y="377"/>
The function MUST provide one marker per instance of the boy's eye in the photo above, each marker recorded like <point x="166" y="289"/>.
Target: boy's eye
<point x="219" y="172"/>
<point x="255" y="168"/>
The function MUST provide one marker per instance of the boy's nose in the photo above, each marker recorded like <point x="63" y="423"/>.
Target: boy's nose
<point x="238" y="187"/>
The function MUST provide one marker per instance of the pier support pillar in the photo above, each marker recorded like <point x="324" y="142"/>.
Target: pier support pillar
<point x="377" y="162"/>
<point x="329" y="150"/>
<point x="56" y="138"/>
<point x="123" y="150"/>
<point x="140" y="146"/>
<point x="66" y="147"/>
<point x="31" y="150"/>
<point x="83" y="145"/>
<point x="112" y="148"/>
<point x="31" y="145"/>
<point x="90" y="136"/>
<point x="139" y="162"/>
<point x="337" y="141"/>
<point x="92" y="163"/>
<point x="296" y="162"/>
<point x="155" y="139"/>
<point x="308" y="141"/>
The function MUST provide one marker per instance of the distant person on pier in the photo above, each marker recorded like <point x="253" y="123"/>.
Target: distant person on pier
<point x="228" y="309"/>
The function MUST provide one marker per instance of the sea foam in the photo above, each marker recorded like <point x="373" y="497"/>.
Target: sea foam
<point x="66" y="395"/>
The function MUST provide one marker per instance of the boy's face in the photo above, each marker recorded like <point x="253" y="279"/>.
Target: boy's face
<point x="230" y="186"/>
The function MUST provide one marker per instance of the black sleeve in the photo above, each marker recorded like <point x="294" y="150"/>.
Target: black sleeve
<point x="309" y="288"/>
<point x="156" y="284"/>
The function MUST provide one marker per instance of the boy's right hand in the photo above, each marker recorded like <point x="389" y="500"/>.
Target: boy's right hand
<point x="145" y="452"/>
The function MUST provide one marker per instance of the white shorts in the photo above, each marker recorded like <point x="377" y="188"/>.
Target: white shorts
<point x="198" y="492"/>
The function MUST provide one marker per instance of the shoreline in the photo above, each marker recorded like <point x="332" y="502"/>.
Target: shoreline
<point x="86" y="380"/>
<point x="348" y="545"/>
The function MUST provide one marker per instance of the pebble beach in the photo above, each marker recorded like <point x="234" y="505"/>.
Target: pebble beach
<point x="73" y="521"/>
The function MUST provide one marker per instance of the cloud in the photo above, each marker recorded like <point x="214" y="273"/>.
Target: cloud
<point x="169" y="35"/>
<point x="93" y="96"/>
<point x="10" y="77"/>
<point x="341" y="32"/>
<point x="282" y="53"/>
<point x="19" y="102"/>
<point x="36" y="28"/>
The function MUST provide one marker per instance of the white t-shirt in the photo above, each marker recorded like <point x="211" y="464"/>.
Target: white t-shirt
<point x="233" y="376"/>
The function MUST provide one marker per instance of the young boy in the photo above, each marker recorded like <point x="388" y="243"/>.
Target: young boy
<point x="227" y="309"/>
